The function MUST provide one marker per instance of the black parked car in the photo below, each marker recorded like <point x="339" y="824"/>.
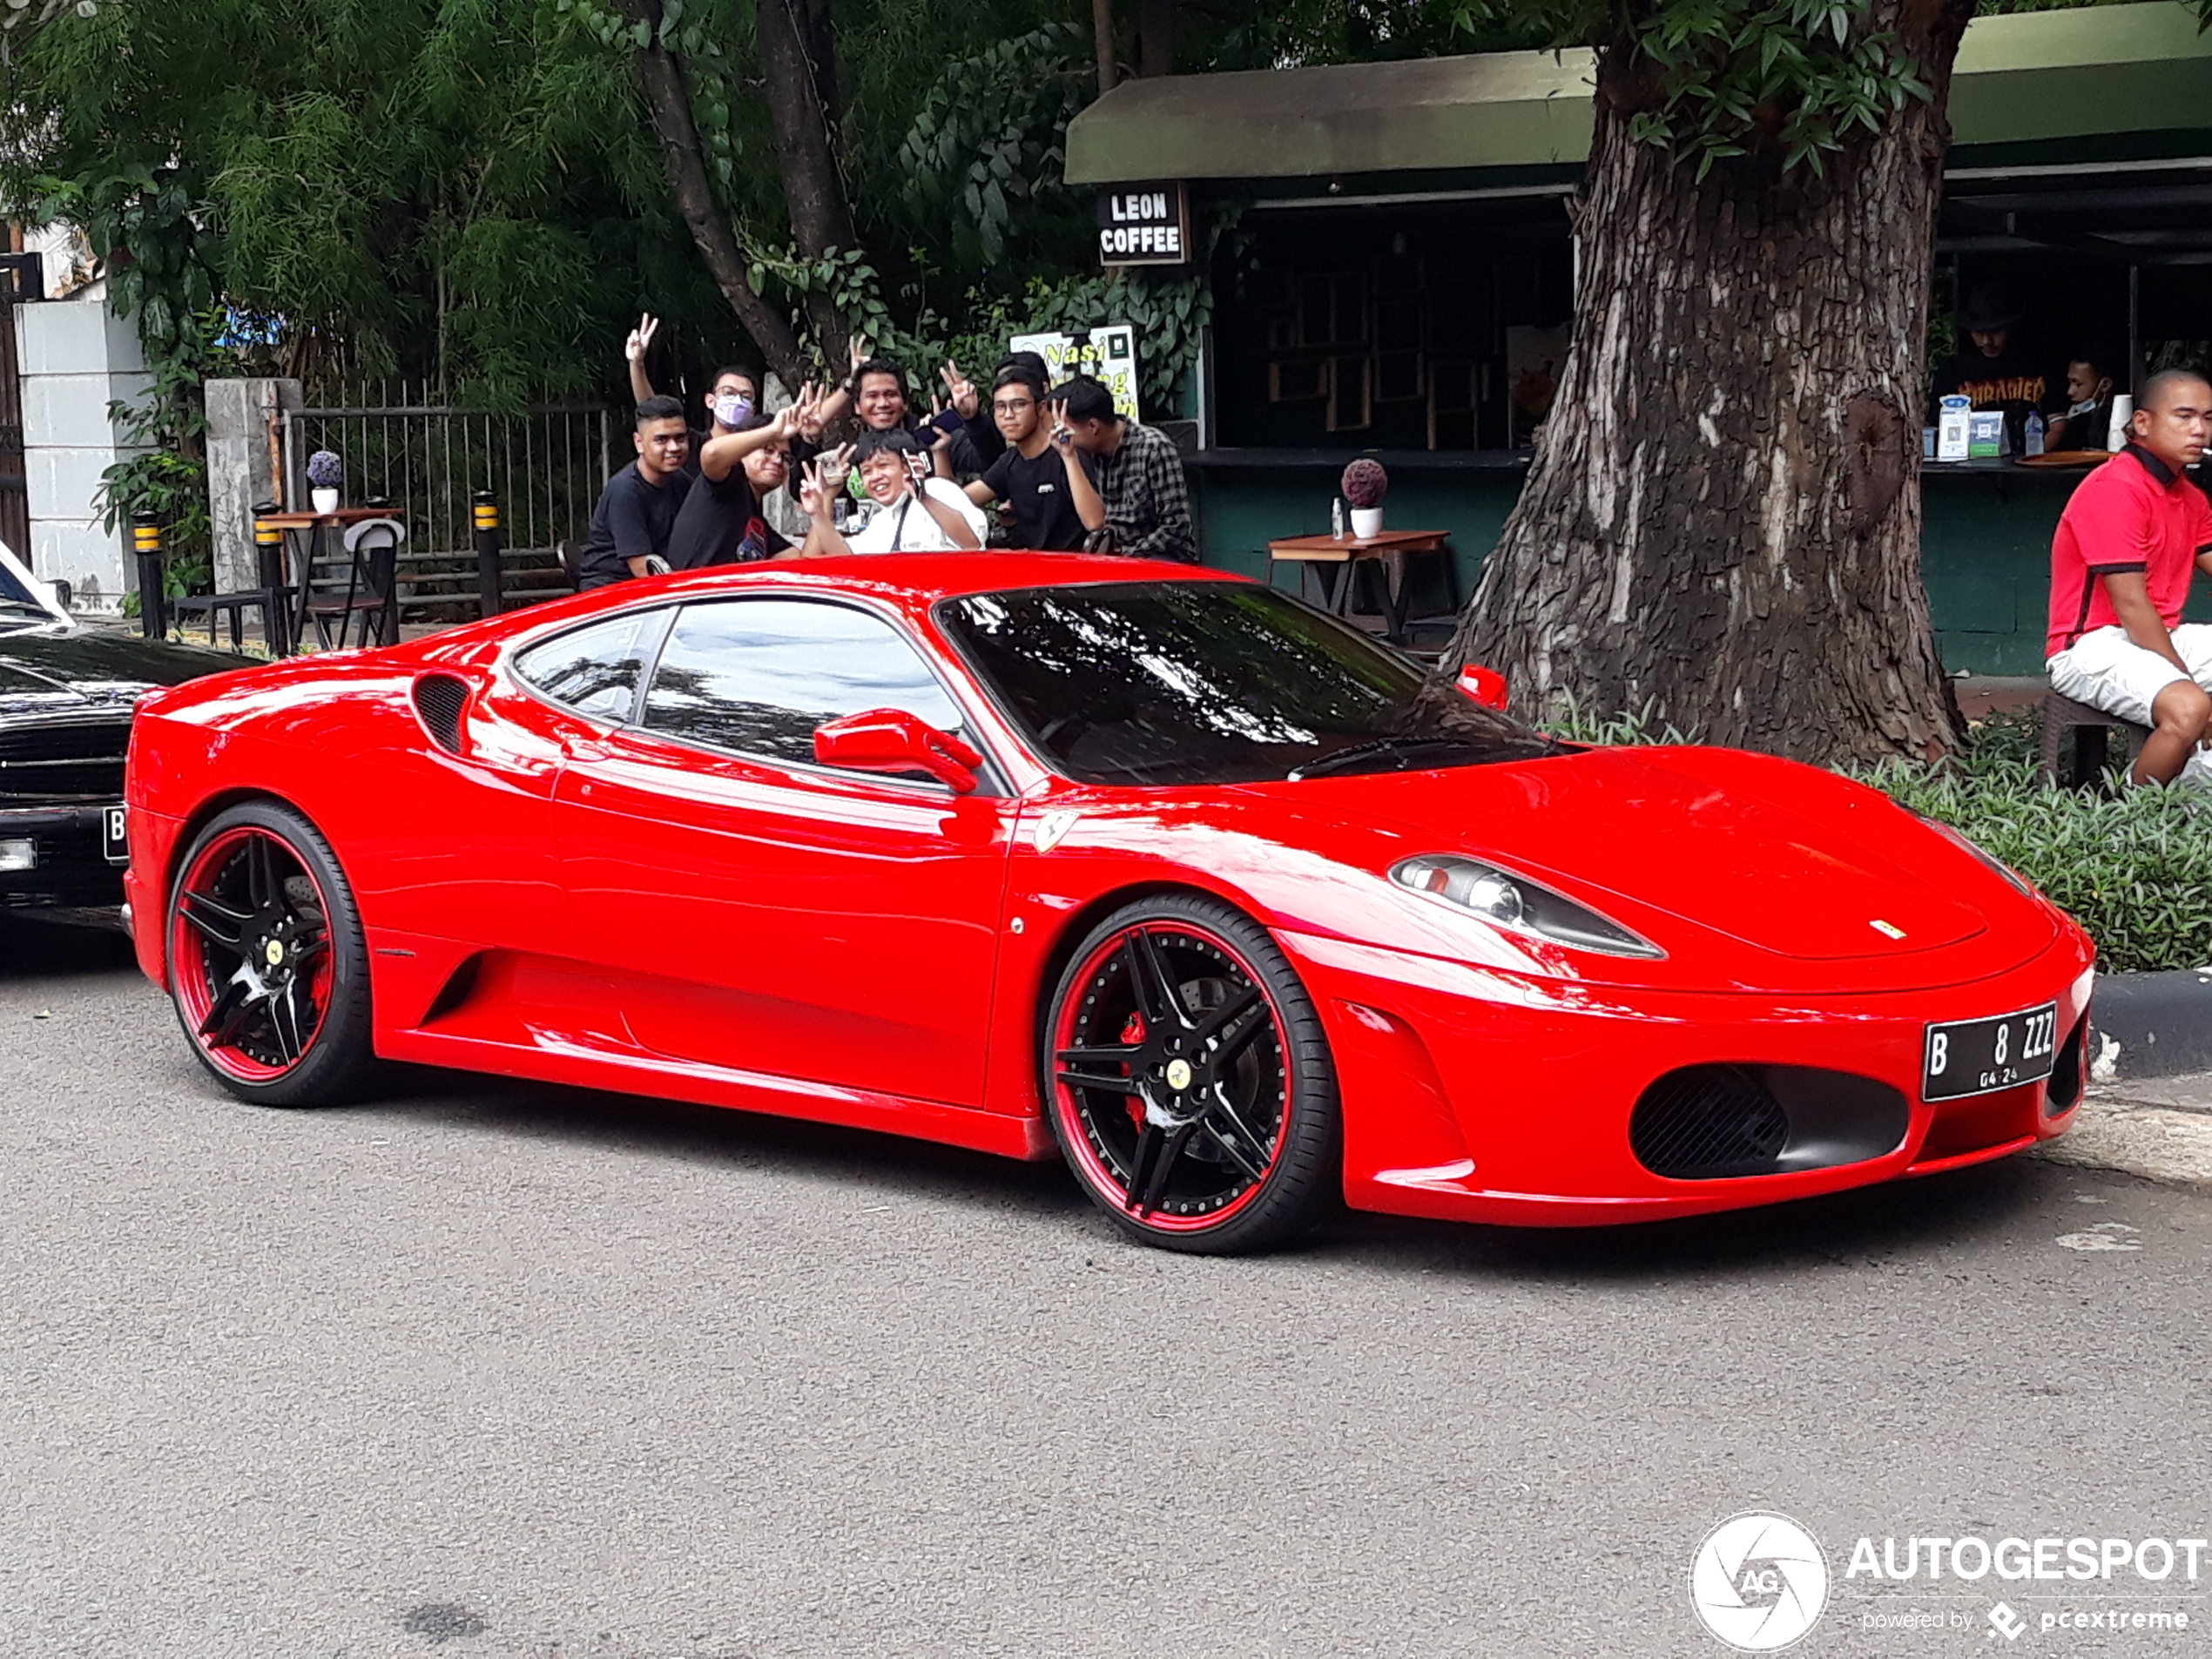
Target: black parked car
<point x="66" y="693"/>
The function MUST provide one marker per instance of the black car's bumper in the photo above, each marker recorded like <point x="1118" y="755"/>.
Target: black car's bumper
<point x="71" y="864"/>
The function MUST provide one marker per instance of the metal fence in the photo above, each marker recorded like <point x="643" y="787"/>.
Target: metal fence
<point x="544" y="465"/>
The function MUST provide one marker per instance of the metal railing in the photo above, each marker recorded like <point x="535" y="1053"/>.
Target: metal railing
<point x="545" y="465"/>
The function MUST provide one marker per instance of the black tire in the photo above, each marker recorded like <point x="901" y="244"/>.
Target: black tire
<point x="268" y="970"/>
<point x="1188" y="1080"/>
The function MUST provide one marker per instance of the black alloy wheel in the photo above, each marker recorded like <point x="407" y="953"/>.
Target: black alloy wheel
<point x="267" y="967"/>
<point x="1188" y="1079"/>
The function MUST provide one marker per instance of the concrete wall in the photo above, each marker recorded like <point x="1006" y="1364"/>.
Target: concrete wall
<point x="75" y="358"/>
<point x="245" y="465"/>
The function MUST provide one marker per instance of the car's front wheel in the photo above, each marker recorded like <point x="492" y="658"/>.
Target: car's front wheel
<point x="1188" y="1079"/>
<point x="267" y="962"/>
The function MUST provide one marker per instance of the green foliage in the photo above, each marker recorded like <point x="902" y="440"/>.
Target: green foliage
<point x="2133" y="866"/>
<point x="985" y="144"/>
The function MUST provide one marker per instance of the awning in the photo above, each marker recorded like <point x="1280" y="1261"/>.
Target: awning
<point x="2020" y="78"/>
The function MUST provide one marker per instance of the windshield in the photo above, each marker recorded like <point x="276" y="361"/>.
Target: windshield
<point x="15" y="598"/>
<point x="1214" y="682"/>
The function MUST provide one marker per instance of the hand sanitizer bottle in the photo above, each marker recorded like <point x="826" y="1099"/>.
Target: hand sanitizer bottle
<point x="1336" y="518"/>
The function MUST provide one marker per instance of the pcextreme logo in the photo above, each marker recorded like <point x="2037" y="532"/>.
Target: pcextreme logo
<point x="1758" y="1582"/>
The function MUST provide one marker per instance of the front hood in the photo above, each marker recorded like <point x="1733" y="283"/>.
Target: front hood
<point x="52" y="669"/>
<point x="1782" y="857"/>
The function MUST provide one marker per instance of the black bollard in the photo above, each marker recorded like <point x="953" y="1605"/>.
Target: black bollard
<point x="153" y="607"/>
<point x="268" y="569"/>
<point x="488" y="582"/>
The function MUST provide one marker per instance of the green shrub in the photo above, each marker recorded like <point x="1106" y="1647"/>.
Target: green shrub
<point x="2131" y="865"/>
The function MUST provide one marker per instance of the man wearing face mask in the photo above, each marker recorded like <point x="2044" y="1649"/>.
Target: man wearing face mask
<point x="637" y="511"/>
<point x="744" y="458"/>
<point x="731" y="381"/>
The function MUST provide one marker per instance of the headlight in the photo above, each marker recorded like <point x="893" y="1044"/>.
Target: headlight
<point x="1990" y="859"/>
<point x="1518" y="905"/>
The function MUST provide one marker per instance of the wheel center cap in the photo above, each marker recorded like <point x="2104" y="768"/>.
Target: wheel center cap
<point x="1178" y="1074"/>
<point x="274" y="951"/>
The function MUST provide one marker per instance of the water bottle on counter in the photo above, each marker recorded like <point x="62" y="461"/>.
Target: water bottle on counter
<point x="2031" y="438"/>
<point x="1336" y="518"/>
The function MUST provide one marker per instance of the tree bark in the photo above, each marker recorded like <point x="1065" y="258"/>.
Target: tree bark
<point x="1155" y="38"/>
<point x="813" y="189"/>
<point x="1722" y="520"/>
<point x="683" y="159"/>
<point x="1101" y="31"/>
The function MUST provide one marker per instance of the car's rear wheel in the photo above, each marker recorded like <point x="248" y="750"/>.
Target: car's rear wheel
<point x="1188" y="1079"/>
<point x="267" y="962"/>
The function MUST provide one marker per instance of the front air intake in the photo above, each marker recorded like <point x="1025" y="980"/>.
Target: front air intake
<point x="439" y="699"/>
<point x="1714" y="1122"/>
<point x="1705" y="1122"/>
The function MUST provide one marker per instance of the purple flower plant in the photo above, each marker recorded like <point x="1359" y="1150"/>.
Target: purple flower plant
<point x="1366" y="482"/>
<point x="326" y="470"/>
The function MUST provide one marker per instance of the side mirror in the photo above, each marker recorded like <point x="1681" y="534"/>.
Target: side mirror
<point x="893" y="740"/>
<point x="1486" y="685"/>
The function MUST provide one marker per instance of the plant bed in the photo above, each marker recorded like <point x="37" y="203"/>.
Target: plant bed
<point x="2131" y="865"/>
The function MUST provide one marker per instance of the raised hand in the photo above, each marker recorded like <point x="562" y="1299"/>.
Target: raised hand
<point x="813" y="494"/>
<point x="960" y="390"/>
<point x="1063" y="435"/>
<point x="641" y="338"/>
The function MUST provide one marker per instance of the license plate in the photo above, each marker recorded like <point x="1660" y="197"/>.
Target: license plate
<point x="1980" y="1056"/>
<point x="113" y="843"/>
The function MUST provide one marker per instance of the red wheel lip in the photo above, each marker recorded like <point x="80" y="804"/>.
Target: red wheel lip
<point x="188" y="961"/>
<point x="1078" y="1144"/>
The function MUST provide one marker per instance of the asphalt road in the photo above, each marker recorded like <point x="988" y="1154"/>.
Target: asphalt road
<point x="489" y="1370"/>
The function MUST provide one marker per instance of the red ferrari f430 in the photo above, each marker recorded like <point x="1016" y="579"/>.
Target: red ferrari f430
<point x="1151" y="868"/>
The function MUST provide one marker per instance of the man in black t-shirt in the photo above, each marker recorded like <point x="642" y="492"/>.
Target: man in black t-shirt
<point x="722" y="522"/>
<point x="1041" y="476"/>
<point x="1993" y="369"/>
<point x="638" y="509"/>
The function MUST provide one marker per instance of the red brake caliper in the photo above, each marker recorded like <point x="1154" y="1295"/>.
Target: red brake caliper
<point x="1132" y="1033"/>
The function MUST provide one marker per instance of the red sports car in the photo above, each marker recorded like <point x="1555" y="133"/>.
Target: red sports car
<point x="1212" y="894"/>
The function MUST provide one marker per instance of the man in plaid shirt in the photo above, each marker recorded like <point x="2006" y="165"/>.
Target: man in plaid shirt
<point x="1140" y="475"/>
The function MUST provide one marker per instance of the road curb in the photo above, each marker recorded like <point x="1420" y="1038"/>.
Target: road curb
<point x="2152" y="1025"/>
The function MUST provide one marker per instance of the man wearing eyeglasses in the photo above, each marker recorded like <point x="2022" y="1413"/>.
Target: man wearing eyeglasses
<point x="1044" y="482"/>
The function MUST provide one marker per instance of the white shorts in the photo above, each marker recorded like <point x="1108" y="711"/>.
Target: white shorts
<point x="2109" y="671"/>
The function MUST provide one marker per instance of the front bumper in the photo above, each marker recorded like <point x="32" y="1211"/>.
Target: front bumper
<point x="1474" y="1095"/>
<point x="71" y="868"/>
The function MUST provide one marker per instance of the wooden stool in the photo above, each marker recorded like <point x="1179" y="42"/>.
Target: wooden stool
<point x="2064" y="718"/>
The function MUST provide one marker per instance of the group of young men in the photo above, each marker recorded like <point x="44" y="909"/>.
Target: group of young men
<point x="1067" y="471"/>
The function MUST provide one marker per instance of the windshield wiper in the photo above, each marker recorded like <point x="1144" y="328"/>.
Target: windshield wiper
<point x="1373" y="747"/>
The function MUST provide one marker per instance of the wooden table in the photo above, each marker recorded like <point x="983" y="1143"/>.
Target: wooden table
<point x="1336" y="564"/>
<point x="304" y="531"/>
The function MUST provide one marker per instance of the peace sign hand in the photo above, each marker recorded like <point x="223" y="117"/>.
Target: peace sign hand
<point x="641" y="338"/>
<point x="960" y="390"/>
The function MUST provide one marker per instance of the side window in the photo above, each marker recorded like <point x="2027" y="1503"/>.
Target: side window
<point x="759" y="675"/>
<point x="595" y="671"/>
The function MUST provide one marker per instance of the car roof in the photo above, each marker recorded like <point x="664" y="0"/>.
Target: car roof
<point x="921" y="579"/>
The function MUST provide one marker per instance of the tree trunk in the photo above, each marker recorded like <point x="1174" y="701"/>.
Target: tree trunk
<point x="682" y="158"/>
<point x="1102" y="36"/>
<point x="1722" y="521"/>
<point x="1155" y="38"/>
<point x="813" y="189"/>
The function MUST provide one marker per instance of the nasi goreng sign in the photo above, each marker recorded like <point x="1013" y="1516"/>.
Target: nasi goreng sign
<point x="1144" y="224"/>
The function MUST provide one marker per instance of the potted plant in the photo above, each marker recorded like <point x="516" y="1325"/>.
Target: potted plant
<point x="326" y="475"/>
<point x="1364" y="485"/>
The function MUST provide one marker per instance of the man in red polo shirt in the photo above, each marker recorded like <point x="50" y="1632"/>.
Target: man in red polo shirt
<point x="2120" y="563"/>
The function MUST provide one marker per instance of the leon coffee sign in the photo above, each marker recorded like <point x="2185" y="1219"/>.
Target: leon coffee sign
<point x="1144" y="224"/>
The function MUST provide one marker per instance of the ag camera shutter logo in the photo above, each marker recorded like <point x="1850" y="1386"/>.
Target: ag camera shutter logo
<point x="1759" y="1582"/>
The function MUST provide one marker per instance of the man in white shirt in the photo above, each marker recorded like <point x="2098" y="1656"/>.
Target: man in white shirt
<point x="915" y="512"/>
